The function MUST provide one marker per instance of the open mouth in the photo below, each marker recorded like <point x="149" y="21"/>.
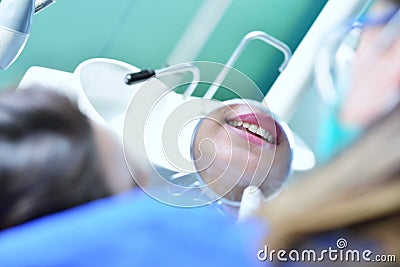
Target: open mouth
<point x="256" y="128"/>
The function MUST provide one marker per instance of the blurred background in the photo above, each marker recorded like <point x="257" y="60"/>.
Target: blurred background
<point x="145" y="33"/>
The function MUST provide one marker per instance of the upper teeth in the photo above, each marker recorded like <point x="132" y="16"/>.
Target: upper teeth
<point x="264" y="134"/>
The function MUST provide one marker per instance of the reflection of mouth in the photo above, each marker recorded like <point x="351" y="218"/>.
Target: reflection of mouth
<point x="254" y="129"/>
<point x="257" y="128"/>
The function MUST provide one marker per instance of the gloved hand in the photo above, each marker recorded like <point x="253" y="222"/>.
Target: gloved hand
<point x="252" y="200"/>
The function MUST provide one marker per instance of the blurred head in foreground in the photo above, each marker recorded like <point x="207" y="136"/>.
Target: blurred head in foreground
<point x="52" y="157"/>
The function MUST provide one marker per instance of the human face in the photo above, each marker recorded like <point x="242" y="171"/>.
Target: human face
<point x="240" y="145"/>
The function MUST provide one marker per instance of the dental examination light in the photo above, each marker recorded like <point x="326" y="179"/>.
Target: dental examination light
<point x="15" y="26"/>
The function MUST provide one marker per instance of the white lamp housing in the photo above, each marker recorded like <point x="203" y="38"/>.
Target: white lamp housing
<point x="15" y="27"/>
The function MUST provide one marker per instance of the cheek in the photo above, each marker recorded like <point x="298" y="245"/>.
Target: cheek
<point x="114" y="167"/>
<point x="279" y="170"/>
<point x="243" y="158"/>
<point x="232" y="150"/>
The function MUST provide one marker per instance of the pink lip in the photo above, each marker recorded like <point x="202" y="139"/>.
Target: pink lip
<point x="261" y="120"/>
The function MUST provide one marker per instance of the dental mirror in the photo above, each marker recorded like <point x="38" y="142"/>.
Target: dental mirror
<point x="198" y="150"/>
<point x="241" y="144"/>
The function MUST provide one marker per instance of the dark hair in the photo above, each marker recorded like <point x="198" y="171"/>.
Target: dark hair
<point x="48" y="158"/>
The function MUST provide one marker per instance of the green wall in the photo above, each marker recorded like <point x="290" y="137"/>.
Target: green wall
<point x="144" y="33"/>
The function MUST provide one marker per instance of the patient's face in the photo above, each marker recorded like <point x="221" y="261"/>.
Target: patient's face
<point x="237" y="146"/>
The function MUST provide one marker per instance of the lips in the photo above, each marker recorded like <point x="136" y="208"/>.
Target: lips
<point x="257" y="128"/>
